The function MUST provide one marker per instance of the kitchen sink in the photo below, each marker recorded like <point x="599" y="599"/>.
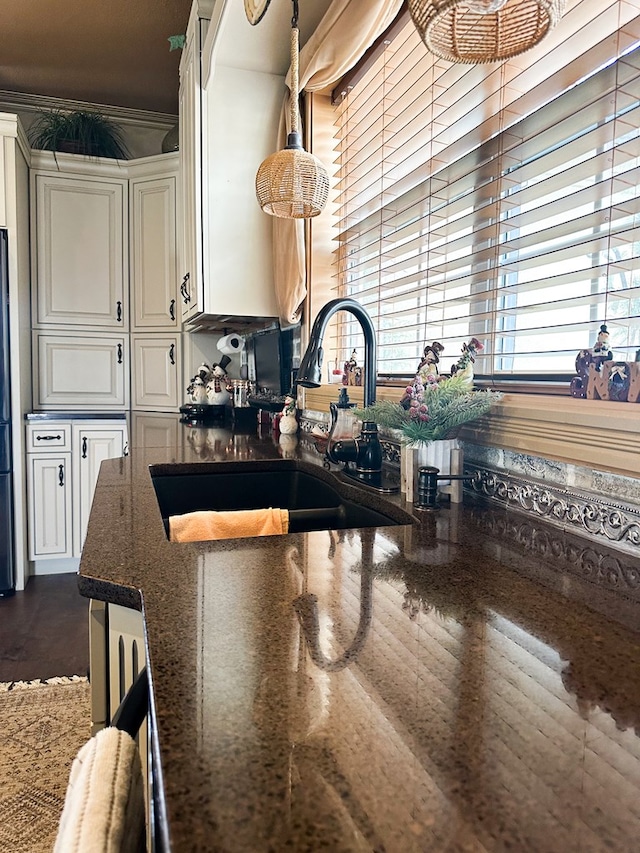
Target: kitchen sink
<point x="316" y="499"/>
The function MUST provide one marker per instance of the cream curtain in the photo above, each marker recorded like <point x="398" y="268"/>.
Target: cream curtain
<point x="347" y="30"/>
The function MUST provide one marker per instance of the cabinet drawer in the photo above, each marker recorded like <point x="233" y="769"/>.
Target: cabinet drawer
<point x="48" y="436"/>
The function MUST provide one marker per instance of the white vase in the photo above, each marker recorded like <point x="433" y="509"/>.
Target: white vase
<point x="437" y="454"/>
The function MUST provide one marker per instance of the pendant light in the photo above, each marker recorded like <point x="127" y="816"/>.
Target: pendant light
<point x="475" y="31"/>
<point x="292" y="183"/>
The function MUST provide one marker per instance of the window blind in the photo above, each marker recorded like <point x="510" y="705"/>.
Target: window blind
<point x="499" y="202"/>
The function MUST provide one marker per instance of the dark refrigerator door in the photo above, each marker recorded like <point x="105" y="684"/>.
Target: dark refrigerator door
<point x="6" y="491"/>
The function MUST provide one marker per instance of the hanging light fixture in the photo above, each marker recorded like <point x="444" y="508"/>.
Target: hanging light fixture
<point x="476" y="31"/>
<point x="292" y="183"/>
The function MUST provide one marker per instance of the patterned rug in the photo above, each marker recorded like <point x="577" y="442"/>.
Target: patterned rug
<point x="42" y="726"/>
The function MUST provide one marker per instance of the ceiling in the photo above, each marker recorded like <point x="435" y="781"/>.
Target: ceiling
<point x="110" y="52"/>
<point x="117" y="52"/>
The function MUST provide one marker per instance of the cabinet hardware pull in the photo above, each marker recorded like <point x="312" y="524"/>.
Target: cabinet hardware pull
<point x="172" y="349"/>
<point x="119" y="312"/>
<point x="125" y="449"/>
<point x="119" y="353"/>
<point x="48" y="437"/>
<point x="61" y="475"/>
<point x="172" y="309"/>
<point x="84" y="447"/>
<point x="184" y="290"/>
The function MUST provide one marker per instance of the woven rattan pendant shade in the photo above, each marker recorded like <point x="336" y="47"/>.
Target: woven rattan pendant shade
<point x="454" y="32"/>
<point x="292" y="183"/>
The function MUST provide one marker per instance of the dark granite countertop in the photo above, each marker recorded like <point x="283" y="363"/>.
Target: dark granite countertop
<point x="35" y="417"/>
<point x="466" y="682"/>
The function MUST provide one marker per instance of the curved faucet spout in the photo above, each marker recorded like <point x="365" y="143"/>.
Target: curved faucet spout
<point x="310" y="372"/>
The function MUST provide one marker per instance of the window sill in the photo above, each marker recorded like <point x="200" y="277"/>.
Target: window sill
<point x="594" y="433"/>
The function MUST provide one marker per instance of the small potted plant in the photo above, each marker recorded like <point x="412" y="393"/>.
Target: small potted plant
<point x="86" y="132"/>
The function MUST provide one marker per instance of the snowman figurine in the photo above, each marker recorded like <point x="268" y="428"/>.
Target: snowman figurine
<point x="197" y="391"/>
<point x="217" y="394"/>
<point x="288" y="421"/>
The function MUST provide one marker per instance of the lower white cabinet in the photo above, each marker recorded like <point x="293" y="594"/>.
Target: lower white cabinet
<point x="63" y="461"/>
<point x="50" y="508"/>
<point x="156" y="372"/>
<point x="91" y="445"/>
<point x="80" y="370"/>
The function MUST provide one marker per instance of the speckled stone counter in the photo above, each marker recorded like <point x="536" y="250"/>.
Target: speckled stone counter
<point x="469" y="681"/>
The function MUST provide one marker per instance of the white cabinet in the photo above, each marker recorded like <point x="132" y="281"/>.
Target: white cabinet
<point x="154" y="268"/>
<point x="89" y="372"/>
<point x="156" y="372"/>
<point x="50" y="511"/>
<point x="92" y="443"/>
<point x="63" y="461"/>
<point x="80" y="252"/>
<point x="191" y="107"/>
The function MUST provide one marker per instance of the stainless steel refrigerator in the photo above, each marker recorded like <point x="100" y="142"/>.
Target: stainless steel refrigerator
<point x="7" y="583"/>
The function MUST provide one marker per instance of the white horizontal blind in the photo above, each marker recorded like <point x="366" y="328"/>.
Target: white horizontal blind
<point x="496" y="201"/>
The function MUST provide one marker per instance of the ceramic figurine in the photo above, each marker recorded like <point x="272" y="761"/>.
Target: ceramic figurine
<point x="217" y="393"/>
<point x="197" y="391"/>
<point x="288" y="421"/>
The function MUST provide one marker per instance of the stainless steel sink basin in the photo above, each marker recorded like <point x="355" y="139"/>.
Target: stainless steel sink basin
<point x="315" y="498"/>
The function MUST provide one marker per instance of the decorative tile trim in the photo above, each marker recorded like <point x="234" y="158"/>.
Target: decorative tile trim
<point x="613" y="572"/>
<point x="600" y="520"/>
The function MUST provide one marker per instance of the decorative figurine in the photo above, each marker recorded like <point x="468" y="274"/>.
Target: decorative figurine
<point x="587" y="357"/>
<point x="197" y="391"/>
<point x="208" y="386"/>
<point x="464" y="365"/>
<point x="217" y="393"/>
<point x="352" y="374"/>
<point x="288" y="420"/>
<point x="426" y="376"/>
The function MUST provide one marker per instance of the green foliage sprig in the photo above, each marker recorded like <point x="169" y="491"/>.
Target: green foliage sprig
<point x="450" y="404"/>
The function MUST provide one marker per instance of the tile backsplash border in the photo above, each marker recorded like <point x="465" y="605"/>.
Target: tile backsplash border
<point x="598" y="505"/>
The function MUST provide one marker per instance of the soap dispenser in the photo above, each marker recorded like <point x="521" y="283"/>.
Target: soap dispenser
<point x="343" y="421"/>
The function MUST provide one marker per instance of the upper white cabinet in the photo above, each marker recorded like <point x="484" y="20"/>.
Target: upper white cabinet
<point x="227" y="129"/>
<point x="80" y="251"/>
<point x="191" y="105"/>
<point x="104" y="249"/>
<point x="154" y="265"/>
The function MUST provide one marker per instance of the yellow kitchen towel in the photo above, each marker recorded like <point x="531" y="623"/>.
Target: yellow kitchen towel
<point x="206" y="524"/>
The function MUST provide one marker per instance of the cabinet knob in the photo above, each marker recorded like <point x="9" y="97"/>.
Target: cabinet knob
<point x="172" y="350"/>
<point x="172" y="309"/>
<point x="119" y="353"/>
<point x="61" y="475"/>
<point x="119" y="312"/>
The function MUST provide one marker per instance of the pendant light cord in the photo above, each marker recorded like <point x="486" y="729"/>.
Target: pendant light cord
<point x="294" y="68"/>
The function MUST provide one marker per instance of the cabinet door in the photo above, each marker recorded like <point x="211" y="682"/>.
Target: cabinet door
<point x="153" y="254"/>
<point x="191" y="105"/>
<point x="156" y="371"/>
<point x="80" y="252"/>
<point x="81" y="371"/>
<point x="50" y="513"/>
<point x="91" y="445"/>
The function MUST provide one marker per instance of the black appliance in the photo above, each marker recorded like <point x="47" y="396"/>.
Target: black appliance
<point x="274" y="356"/>
<point x="7" y="583"/>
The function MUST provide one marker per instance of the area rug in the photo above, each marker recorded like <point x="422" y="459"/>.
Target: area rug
<point x="42" y="726"/>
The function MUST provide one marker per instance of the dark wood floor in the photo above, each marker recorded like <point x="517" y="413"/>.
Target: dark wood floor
<point x="44" y="631"/>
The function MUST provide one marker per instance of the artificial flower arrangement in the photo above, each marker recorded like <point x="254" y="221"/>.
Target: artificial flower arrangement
<point x="434" y="407"/>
